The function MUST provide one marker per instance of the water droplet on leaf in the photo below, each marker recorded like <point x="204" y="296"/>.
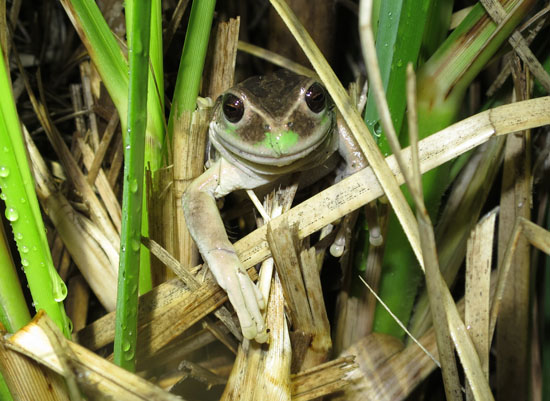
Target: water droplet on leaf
<point x="133" y="186"/>
<point x="12" y="214"/>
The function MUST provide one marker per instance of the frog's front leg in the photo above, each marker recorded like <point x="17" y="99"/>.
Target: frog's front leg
<point x="207" y="229"/>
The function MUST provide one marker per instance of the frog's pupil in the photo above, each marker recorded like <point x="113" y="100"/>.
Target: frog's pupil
<point x="315" y="98"/>
<point x="233" y="108"/>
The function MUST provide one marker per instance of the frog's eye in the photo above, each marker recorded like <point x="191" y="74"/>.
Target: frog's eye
<point x="233" y="108"/>
<point x="316" y="98"/>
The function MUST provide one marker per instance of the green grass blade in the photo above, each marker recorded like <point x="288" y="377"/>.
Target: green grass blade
<point x="134" y="153"/>
<point x="103" y="49"/>
<point x="192" y="59"/>
<point x="438" y="22"/>
<point x="441" y="83"/>
<point x="400" y="34"/>
<point x="23" y="212"/>
<point x="400" y="31"/>
<point x="13" y="308"/>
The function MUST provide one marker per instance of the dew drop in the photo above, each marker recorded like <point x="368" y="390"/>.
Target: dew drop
<point x="25" y="249"/>
<point x="128" y="147"/>
<point x="18" y="236"/>
<point x="129" y="356"/>
<point x="135" y="245"/>
<point x="377" y="129"/>
<point x="4" y="171"/>
<point x="60" y="292"/>
<point x="3" y="196"/>
<point x="24" y="262"/>
<point x="133" y="186"/>
<point x="126" y="346"/>
<point x="12" y="214"/>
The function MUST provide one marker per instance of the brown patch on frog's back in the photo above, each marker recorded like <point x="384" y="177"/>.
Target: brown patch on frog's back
<point x="274" y="90"/>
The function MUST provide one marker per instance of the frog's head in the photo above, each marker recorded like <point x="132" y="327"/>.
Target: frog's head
<point x="274" y="119"/>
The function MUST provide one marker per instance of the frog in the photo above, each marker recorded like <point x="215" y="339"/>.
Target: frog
<point x="264" y="128"/>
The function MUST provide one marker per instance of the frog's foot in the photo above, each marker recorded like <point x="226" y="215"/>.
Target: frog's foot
<point x="242" y="293"/>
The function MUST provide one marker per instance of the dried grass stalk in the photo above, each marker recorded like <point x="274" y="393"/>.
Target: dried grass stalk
<point x="102" y="184"/>
<point x="518" y="42"/>
<point x="96" y="377"/>
<point x="468" y="195"/>
<point x="323" y="379"/>
<point x="190" y="132"/>
<point x="220" y="67"/>
<point x="94" y="255"/>
<point x="513" y="335"/>
<point x="76" y="303"/>
<point x="28" y="380"/>
<point x="161" y="212"/>
<point x="164" y="313"/>
<point x="263" y="371"/>
<point x="478" y="284"/>
<point x="299" y="275"/>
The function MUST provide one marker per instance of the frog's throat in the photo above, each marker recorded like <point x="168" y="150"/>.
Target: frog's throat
<point x="317" y="154"/>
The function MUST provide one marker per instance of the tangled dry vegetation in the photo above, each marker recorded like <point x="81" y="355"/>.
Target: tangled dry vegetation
<point x="189" y="341"/>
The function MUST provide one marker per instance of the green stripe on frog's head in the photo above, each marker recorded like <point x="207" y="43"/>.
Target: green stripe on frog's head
<point x="279" y="142"/>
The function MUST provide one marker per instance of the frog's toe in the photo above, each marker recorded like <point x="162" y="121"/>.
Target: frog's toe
<point x="259" y="298"/>
<point x="249" y="332"/>
<point x="262" y="336"/>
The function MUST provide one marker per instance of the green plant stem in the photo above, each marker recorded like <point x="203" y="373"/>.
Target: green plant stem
<point x="22" y="211"/>
<point x="13" y="309"/>
<point x="192" y="59"/>
<point x="156" y="85"/>
<point x="134" y="154"/>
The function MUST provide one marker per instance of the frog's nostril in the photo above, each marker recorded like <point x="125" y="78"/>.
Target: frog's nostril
<point x="290" y="124"/>
<point x="267" y="127"/>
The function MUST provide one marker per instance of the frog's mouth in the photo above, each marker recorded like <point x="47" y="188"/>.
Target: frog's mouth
<point x="277" y="153"/>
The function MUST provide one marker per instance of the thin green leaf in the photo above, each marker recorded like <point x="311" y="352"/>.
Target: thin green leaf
<point x="128" y="274"/>
<point x="23" y="212"/>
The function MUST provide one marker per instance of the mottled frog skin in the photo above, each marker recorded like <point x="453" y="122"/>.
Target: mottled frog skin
<point x="263" y="128"/>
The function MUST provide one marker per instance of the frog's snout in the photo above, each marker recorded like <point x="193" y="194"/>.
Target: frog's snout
<point x="280" y="143"/>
